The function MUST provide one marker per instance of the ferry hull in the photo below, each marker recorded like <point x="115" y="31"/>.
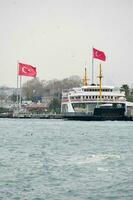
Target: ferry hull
<point x="100" y="114"/>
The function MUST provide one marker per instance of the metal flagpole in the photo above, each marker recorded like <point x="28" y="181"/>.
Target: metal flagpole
<point x="17" y="85"/>
<point x="92" y="67"/>
<point x="20" y="92"/>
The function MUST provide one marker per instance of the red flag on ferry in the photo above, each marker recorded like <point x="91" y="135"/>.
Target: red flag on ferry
<point x="99" y="54"/>
<point x="27" y="70"/>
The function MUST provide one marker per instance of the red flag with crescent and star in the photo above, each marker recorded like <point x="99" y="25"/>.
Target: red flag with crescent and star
<point x="99" y="54"/>
<point x="27" y="70"/>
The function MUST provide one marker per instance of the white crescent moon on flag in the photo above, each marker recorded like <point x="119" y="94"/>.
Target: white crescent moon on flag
<point x="25" y="70"/>
<point x="97" y="54"/>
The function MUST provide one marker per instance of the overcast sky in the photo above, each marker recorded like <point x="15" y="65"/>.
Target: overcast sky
<point x="57" y="36"/>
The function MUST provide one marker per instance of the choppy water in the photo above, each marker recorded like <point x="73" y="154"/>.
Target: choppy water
<point x="62" y="160"/>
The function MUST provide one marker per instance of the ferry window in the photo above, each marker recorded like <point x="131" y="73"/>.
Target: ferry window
<point x="86" y="97"/>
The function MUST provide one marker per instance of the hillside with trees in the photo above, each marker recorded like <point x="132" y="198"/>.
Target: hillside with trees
<point x="35" y="87"/>
<point x="50" y="91"/>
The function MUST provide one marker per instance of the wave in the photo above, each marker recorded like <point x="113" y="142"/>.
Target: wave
<point x="95" y="158"/>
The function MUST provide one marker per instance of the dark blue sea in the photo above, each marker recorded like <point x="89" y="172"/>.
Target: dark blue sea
<point x="65" y="160"/>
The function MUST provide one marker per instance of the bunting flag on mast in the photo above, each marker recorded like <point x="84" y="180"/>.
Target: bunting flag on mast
<point x="27" y="70"/>
<point x="99" y="54"/>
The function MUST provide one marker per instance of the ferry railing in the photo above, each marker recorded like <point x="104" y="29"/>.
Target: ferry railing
<point x="97" y="100"/>
<point x="78" y="114"/>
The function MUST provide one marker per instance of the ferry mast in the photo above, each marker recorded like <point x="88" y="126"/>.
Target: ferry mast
<point x="85" y="78"/>
<point x="100" y="81"/>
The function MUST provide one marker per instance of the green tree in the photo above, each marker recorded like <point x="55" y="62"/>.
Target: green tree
<point x="55" y="106"/>
<point x="130" y="98"/>
<point x="126" y="89"/>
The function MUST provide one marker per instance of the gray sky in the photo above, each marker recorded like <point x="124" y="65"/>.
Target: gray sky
<point x="57" y="36"/>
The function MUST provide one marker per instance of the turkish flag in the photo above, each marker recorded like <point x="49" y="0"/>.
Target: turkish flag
<point x="99" y="54"/>
<point x="27" y="70"/>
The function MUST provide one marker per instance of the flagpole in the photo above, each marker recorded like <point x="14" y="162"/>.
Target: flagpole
<point x="20" y="92"/>
<point x="17" y="85"/>
<point x="92" y="67"/>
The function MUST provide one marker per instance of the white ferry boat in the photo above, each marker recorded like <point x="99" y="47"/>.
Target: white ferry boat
<point x="93" y="102"/>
